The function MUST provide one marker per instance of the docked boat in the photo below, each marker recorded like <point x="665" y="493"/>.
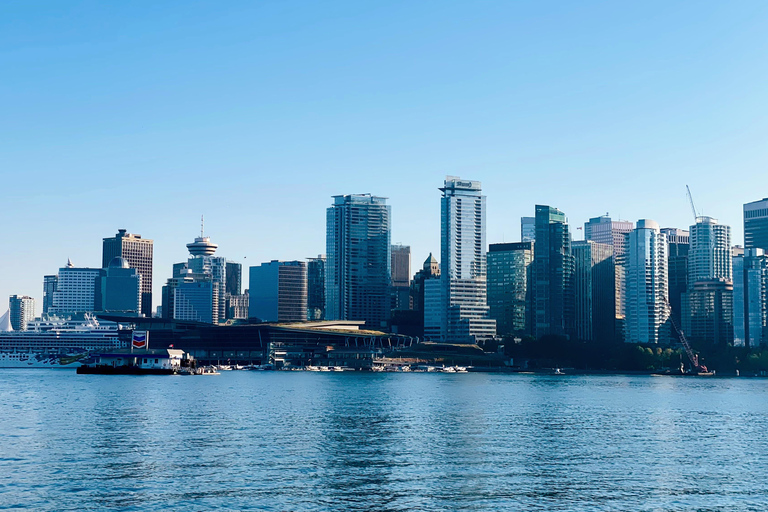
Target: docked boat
<point x="59" y="343"/>
<point x="132" y="361"/>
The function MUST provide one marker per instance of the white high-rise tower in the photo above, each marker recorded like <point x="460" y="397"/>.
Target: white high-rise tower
<point x="465" y="317"/>
<point x="647" y="303"/>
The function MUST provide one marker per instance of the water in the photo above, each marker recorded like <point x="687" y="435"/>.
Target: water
<point x="382" y="442"/>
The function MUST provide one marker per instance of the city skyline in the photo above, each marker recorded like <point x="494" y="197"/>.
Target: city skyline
<point x="591" y="109"/>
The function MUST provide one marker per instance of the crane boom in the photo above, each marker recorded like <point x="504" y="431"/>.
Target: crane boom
<point x="693" y="208"/>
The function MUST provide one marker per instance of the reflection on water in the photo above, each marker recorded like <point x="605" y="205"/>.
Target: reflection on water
<point x="385" y="442"/>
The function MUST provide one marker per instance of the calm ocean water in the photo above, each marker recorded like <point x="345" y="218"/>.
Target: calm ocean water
<point x="381" y="442"/>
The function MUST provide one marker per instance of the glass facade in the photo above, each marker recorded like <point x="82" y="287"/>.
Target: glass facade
<point x="553" y="268"/>
<point x="509" y="268"/>
<point x="750" y="309"/>
<point x="756" y="225"/>
<point x="358" y="264"/>
<point x="316" y="288"/>
<point x="594" y="291"/>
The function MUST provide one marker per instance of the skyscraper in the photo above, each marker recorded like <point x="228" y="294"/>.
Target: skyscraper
<point x="604" y="230"/>
<point x="358" y="260"/>
<point x="509" y="269"/>
<point x="278" y="291"/>
<point x="553" y="268"/>
<point x="401" y="276"/>
<point x="678" y="242"/>
<point x="316" y="288"/>
<point x="205" y="302"/>
<point x="708" y="303"/>
<point x="756" y="225"/>
<point x="49" y="286"/>
<point x="750" y="298"/>
<point x="527" y="229"/>
<point x="78" y="290"/>
<point x="430" y="271"/>
<point x="463" y="269"/>
<point x="594" y="280"/>
<point x="120" y="287"/>
<point x="22" y="311"/>
<point x="138" y="252"/>
<point x="647" y="309"/>
<point x="234" y="278"/>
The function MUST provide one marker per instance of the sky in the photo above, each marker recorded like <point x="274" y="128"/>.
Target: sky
<point x="146" y="115"/>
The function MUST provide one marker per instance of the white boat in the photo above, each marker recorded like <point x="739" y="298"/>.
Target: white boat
<point x="58" y="343"/>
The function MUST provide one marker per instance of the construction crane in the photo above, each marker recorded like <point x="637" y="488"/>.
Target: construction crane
<point x="693" y="208"/>
<point x="693" y="358"/>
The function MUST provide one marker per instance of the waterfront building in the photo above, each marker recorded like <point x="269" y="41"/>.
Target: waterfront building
<point x="49" y="286"/>
<point x="527" y="229"/>
<point x="22" y="311"/>
<point x="750" y="298"/>
<point x="605" y="230"/>
<point x="678" y="242"/>
<point x="121" y="287"/>
<point x="278" y="291"/>
<point x="316" y="288"/>
<point x="509" y="269"/>
<point x="401" y="276"/>
<point x="707" y="304"/>
<point x="647" y="309"/>
<point x="756" y="225"/>
<point x="465" y="313"/>
<point x="139" y="253"/>
<point x="77" y="290"/>
<point x="553" y="267"/>
<point x="358" y="262"/>
<point x="594" y="280"/>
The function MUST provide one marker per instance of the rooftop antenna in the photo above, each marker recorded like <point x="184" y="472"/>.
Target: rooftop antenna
<point x="202" y="226"/>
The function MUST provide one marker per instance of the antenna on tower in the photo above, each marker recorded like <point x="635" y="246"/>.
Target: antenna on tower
<point x="202" y="226"/>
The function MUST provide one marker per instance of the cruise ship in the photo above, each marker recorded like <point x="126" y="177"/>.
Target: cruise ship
<point x="59" y="343"/>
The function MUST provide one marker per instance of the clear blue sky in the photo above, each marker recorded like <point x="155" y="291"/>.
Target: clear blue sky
<point x="145" y="115"/>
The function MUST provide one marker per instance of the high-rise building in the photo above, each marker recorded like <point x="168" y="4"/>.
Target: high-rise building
<point x="647" y="308"/>
<point x="78" y="290"/>
<point x="465" y="313"/>
<point x="552" y="277"/>
<point x="594" y="280"/>
<point x="196" y="299"/>
<point x="234" y="278"/>
<point x="433" y="310"/>
<point x="678" y="242"/>
<point x="278" y="291"/>
<point x="358" y="263"/>
<point x="707" y="304"/>
<point x="527" y="229"/>
<point x="509" y="269"/>
<point x="750" y="298"/>
<point x="49" y="286"/>
<point x="316" y="288"/>
<point x="604" y="230"/>
<point x="237" y="306"/>
<point x="138" y="252"/>
<point x="429" y="271"/>
<point x="709" y="256"/>
<point x="401" y="276"/>
<point x="120" y="287"/>
<point x="22" y="311"/>
<point x="756" y="225"/>
<point x="208" y="270"/>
